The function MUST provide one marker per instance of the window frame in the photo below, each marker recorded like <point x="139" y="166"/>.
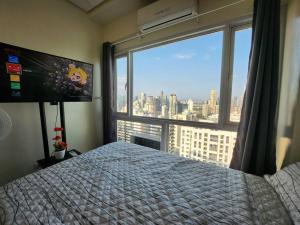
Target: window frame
<point x="225" y="88"/>
<point x="233" y="30"/>
<point x="115" y="83"/>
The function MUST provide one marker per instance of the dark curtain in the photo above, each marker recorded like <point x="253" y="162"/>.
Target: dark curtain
<point x="254" y="151"/>
<point x="109" y="126"/>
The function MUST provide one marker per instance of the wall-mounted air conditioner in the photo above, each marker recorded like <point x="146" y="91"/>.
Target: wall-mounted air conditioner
<point x="164" y="13"/>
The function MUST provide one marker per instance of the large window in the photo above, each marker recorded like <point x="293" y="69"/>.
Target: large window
<point x="180" y="80"/>
<point x="186" y="94"/>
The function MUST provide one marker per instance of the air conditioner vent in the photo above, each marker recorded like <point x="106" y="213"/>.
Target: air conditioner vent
<point x="164" y="13"/>
<point x="169" y="22"/>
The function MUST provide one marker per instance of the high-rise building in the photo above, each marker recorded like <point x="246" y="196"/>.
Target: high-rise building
<point x="150" y="106"/>
<point x="205" y="110"/>
<point x="181" y="107"/>
<point x="157" y="105"/>
<point x="142" y="99"/>
<point x="214" y="146"/>
<point x="164" y="111"/>
<point x="173" y="105"/>
<point x="197" y="107"/>
<point x="162" y="98"/>
<point x="213" y="101"/>
<point x="190" y="105"/>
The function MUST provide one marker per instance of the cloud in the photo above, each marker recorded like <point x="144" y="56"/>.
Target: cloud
<point x="157" y="58"/>
<point x="184" y="55"/>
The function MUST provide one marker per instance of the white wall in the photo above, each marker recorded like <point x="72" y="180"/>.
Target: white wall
<point x="288" y="132"/>
<point x="56" y="27"/>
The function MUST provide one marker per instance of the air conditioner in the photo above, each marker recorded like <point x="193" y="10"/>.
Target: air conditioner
<point x="164" y="13"/>
<point x="145" y="140"/>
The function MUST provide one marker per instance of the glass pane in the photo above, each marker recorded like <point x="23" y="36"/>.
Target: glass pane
<point x="213" y="146"/>
<point x="121" y="72"/>
<point x="242" y="47"/>
<point x="139" y="133"/>
<point x="180" y="80"/>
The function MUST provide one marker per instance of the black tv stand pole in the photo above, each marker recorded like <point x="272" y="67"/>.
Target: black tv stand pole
<point x="44" y="126"/>
<point x="44" y="130"/>
<point x="62" y="121"/>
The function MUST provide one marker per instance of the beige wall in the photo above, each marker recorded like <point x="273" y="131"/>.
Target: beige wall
<point x="288" y="133"/>
<point x="59" y="28"/>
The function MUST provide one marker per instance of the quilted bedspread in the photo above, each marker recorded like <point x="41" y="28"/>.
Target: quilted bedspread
<point x="123" y="183"/>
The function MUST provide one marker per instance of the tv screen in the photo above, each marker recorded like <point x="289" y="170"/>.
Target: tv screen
<point x="31" y="76"/>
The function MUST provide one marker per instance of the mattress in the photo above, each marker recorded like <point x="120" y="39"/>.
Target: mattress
<point x="123" y="183"/>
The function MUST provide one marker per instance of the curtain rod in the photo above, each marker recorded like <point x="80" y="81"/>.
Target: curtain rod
<point x="139" y="35"/>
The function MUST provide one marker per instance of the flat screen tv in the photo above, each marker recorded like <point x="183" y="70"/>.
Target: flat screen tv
<point x="31" y="76"/>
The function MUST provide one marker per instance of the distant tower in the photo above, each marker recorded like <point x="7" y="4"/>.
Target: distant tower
<point x="164" y="111"/>
<point x="142" y="99"/>
<point x="213" y="101"/>
<point x="190" y="105"/>
<point x="213" y="98"/>
<point x="162" y="99"/>
<point x="150" y="105"/>
<point x="205" y="110"/>
<point x="173" y="105"/>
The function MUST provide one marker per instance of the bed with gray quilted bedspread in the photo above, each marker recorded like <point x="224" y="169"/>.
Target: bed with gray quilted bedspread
<point x="123" y="183"/>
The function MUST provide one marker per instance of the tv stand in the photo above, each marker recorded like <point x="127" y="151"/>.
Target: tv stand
<point x="62" y="121"/>
<point x="44" y="130"/>
<point x="44" y="126"/>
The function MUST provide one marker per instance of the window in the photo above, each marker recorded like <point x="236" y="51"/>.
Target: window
<point x="164" y="79"/>
<point x="121" y="78"/>
<point x="195" y="153"/>
<point x="175" y="92"/>
<point x="242" y="45"/>
<point x="214" y="138"/>
<point x="212" y="157"/>
<point x="213" y="147"/>
<point x="227" y="140"/>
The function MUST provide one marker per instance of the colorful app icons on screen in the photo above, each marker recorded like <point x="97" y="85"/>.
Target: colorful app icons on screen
<point x="15" y="85"/>
<point x="13" y="59"/>
<point x="14" y="68"/>
<point x="15" y="78"/>
<point x="16" y="93"/>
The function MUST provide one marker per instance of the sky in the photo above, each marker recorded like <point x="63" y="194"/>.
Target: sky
<point x="188" y="68"/>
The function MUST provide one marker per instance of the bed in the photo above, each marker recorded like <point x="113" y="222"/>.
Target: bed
<point x="123" y="183"/>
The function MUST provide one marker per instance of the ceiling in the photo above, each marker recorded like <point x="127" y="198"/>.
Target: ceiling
<point x="105" y="11"/>
<point x="86" y="5"/>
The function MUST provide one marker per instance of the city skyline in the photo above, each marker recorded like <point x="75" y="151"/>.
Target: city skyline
<point x="147" y="61"/>
<point x="178" y="66"/>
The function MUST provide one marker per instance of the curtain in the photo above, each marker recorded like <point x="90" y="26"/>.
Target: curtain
<point x="109" y="125"/>
<point x="254" y="151"/>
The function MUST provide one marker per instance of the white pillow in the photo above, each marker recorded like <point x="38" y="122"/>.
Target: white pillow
<point x="286" y="183"/>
